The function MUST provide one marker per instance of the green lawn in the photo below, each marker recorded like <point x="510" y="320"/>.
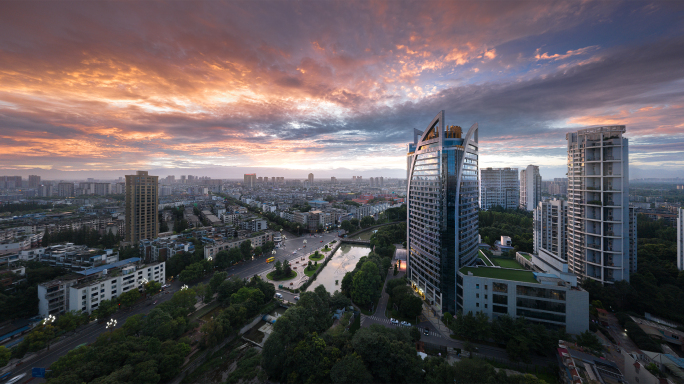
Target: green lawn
<point x="292" y="276"/>
<point x="507" y="263"/>
<point x="484" y="260"/>
<point x="500" y="273"/>
<point x="311" y="272"/>
<point x="314" y="258"/>
<point x="526" y="255"/>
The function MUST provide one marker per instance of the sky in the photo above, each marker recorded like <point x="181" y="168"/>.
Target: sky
<point x="332" y="87"/>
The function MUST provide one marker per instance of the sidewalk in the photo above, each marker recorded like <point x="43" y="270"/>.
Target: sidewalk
<point x="435" y="320"/>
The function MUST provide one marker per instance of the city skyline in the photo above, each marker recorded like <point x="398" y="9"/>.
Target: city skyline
<point x="222" y="88"/>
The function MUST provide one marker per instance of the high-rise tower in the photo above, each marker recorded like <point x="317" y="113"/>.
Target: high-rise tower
<point x="250" y="180"/>
<point x="530" y="187"/>
<point x="442" y="197"/>
<point x="551" y="234"/>
<point x="499" y="186"/>
<point x="599" y="222"/>
<point x="142" y="206"/>
<point x="311" y="179"/>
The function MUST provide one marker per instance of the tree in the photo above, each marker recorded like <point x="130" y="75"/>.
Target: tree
<point x="518" y="350"/>
<point x="227" y="288"/>
<point x="246" y="249"/>
<point x="365" y="284"/>
<point x="163" y="227"/>
<point x="5" y="355"/>
<point x="222" y="260"/>
<point x="217" y="280"/>
<point x="129" y="297"/>
<point x="71" y="320"/>
<point x="589" y="340"/>
<point x="448" y="318"/>
<point x="235" y="255"/>
<point x="258" y="251"/>
<point x="245" y="294"/>
<point x="105" y="309"/>
<point x="411" y="306"/>
<point x="152" y="287"/>
<point x="367" y="222"/>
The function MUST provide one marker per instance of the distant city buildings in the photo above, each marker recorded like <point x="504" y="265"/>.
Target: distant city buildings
<point x="442" y="204"/>
<point x="499" y="187"/>
<point x="249" y="180"/>
<point x="599" y="218"/>
<point x="142" y="218"/>
<point x="311" y="179"/>
<point x="33" y="181"/>
<point x="530" y="187"/>
<point x="65" y="189"/>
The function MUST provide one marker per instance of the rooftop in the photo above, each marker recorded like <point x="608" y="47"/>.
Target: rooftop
<point x="91" y="271"/>
<point x="522" y="276"/>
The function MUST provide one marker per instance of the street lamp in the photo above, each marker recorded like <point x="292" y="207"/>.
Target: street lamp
<point x="111" y="324"/>
<point x="184" y="287"/>
<point x="47" y="321"/>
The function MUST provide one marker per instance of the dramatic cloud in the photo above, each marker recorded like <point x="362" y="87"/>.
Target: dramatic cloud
<point x="107" y="86"/>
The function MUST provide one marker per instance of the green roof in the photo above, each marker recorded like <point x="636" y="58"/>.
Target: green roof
<point x="506" y="263"/>
<point x="484" y="260"/>
<point x="522" y="276"/>
<point x="526" y="255"/>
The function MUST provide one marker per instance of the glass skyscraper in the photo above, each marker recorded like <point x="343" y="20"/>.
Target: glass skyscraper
<point x="442" y="198"/>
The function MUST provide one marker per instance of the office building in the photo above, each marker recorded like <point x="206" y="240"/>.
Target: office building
<point x="65" y="189"/>
<point x="142" y="205"/>
<point x="381" y="183"/>
<point x="499" y="187"/>
<point x="333" y="180"/>
<point x="551" y="234"/>
<point x="311" y="179"/>
<point x="442" y="203"/>
<point x="552" y="299"/>
<point x="680" y="239"/>
<point x="33" y="181"/>
<point x="598" y="204"/>
<point x="530" y="187"/>
<point x="250" y="180"/>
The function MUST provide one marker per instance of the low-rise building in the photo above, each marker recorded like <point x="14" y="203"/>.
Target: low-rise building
<point x="552" y="300"/>
<point x="257" y="239"/>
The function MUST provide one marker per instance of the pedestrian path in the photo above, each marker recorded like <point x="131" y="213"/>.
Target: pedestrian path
<point x="384" y="320"/>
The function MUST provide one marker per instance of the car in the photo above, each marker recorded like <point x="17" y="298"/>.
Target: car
<point x="155" y="302"/>
<point x="16" y="379"/>
<point x="426" y="331"/>
<point x="405" y="323"/>
<point x="278" y="295"/>
<point x="321" y="241"/>
<point x="394" y="321"/>
<point x="296" y="298"/>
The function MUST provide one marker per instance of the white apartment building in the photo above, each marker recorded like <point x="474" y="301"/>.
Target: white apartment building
<point x="554" y="300"/>
<point x="680" y="239"/>
<point x="600" y="225"/>
<point x="499" y="186"/>
<point x="530" y="187"/>
<point x="551" y="234"/>
<point x="254" y="225"/>
<point x="87" y="296"/>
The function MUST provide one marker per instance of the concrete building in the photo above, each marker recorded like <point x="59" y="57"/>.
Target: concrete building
<point x="33" y="181"/>
<point x="65" y="189"/>
<point x="442" y="203"/>
<point x="250" y="180"/>
<point x="311" y="179"/>
<point x="551" y="234"/>
<point x="499" y="186"/>
<point x="554" y="300"/>
<point x="257" y="239"/>
<point x="598" y="204"/>
<point x="680" y="239"/>
<point x="87" y="296"/>
<point x="530" y="187"/>
<point x="142" y="207"/>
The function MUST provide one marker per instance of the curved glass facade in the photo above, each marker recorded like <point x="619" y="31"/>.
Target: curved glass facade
<point x="442" y="201"/>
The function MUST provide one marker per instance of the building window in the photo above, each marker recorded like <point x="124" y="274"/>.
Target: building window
<point x="500" y="287"/>
<point x="477" y="286"/>
<point x="485" y="286"/>
<point x="485" y="305"/>
<point x="477" y="295"/>
<point x="477" y="305"/>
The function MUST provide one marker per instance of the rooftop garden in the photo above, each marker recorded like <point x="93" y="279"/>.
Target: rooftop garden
<point x="506" y="263"/>
<point x="501" y="273"/>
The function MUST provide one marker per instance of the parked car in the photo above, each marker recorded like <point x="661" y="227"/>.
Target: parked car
<point x="394" y="321"/>
<point x="405" y="323"/>
<point x="296" y="298"/>
<point x="278" y="295"/>
<point x="16" y="379"/>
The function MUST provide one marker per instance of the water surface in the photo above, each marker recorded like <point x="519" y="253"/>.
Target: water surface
<point x="343" y="261"/>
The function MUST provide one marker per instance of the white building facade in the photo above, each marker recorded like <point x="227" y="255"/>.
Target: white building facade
<point x="530" y="187"/>
<point x="499" y="187"/>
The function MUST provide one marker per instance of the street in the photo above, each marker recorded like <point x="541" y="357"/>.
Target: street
<point x="90" y="332"/>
